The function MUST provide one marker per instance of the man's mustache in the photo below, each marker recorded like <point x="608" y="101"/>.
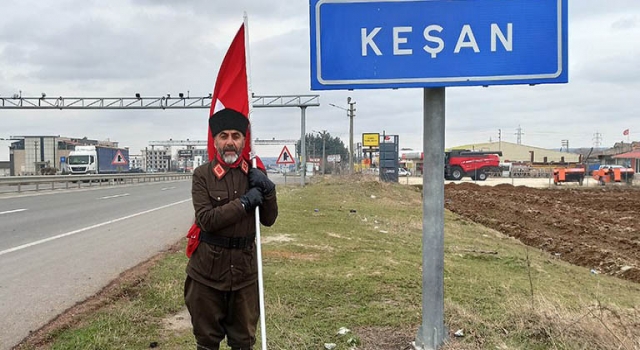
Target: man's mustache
<point x="230" y="148"/>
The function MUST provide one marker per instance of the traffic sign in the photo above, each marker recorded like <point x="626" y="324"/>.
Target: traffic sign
<point x="63" y="159"/>
<point x="185" y="153"/>
<point x="333" y="158"/>
<point x="119" y="159"/>
<point x="364" y="44"/>
<point x="371" y="140"/>
<point x="285" y="157"/>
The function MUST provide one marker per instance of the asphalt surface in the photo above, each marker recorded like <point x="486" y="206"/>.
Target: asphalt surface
<point x="47" y="187"/>
<point x="60" y="247"/>
<point x="62" y="185"/>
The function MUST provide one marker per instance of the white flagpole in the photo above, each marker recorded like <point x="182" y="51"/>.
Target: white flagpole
<point x="263" y="327"/>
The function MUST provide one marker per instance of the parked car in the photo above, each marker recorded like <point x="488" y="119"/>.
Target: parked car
<point x="611" y="166"/>
<point x="403" y="172"/>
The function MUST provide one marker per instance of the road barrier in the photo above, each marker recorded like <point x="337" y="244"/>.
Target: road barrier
<point x="52" y="182"/>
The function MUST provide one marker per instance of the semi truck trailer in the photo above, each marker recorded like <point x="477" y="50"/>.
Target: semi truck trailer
<point x="86" y="160"/>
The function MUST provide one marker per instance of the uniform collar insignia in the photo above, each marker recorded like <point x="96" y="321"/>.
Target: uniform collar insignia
<point x="219" y="171"/>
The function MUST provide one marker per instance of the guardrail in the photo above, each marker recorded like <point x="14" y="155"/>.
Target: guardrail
<point x="51" y="181"/>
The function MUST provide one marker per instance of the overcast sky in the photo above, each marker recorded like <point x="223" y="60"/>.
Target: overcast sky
<point x="116" y="48"/>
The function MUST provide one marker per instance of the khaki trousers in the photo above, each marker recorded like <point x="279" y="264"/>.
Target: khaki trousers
<point x="216" y="314"/>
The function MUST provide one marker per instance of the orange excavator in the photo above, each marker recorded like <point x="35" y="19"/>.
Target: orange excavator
<point x="569" y="175"/>
<point x="613" y="173"/>
<point x="574" y="174"/>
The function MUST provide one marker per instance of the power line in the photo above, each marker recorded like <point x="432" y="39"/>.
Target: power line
<point x="597" y="139"/>
<point x="519" y="134"/>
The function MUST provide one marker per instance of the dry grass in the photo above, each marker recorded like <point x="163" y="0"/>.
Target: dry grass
<point x="327" y="267"/>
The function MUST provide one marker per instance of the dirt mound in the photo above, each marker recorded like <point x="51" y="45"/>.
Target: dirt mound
<point x="596" y="228"/>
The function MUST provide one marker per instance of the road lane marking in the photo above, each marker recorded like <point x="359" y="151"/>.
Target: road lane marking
<point x="12" y="211"/>
<point x="24" y="246"/>
<point x="167" y="188"/>
<point x="114" y="196"/>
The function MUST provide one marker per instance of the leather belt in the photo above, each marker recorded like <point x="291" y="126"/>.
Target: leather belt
<point x="227" y="242"/>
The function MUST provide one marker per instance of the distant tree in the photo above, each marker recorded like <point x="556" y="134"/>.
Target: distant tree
<point x="332" y="145"/>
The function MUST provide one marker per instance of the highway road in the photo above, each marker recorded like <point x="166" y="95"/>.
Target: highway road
<point x="58" y="248"/>
<point x="47" y="187"/>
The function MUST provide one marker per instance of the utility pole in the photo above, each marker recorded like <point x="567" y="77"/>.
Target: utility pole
<point x="35" y="157"/>
<point x="324" y="157"/>
<point x="352" y="114"/>
<point x="499" y="139"/>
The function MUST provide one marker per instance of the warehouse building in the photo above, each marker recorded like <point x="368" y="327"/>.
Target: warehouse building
<point x="511" y="153"/>
<point x="622" y="153"/>
<point x="35" y="155"/>
<point x="518" y="153"/>
<point x="5" y="168"/>
<point x="156" y="159"/>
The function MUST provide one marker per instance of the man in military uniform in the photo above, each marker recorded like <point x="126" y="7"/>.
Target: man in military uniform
<point x="221" y="289"/>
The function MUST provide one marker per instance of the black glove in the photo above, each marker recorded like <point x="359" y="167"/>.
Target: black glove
<point x="259" y="179"/>
<point x="251" y="199"/>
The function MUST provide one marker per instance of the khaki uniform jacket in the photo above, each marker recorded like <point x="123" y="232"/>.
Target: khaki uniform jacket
<point x="216" y="200"/>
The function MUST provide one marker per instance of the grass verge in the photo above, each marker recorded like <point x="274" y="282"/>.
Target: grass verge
<point x="347" y="254"/>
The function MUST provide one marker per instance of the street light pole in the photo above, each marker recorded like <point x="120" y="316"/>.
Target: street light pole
<point x="324" y="157"/>
<point x="352" y="114"/>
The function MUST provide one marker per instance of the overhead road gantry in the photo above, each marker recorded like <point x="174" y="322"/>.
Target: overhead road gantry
<point x="140" y="102"/>
<point x="273" y="142"/>
<point x="171" y="143"/>
<point x="181" y="101"/>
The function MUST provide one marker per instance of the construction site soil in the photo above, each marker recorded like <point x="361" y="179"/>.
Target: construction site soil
<point x="598" y="228"/>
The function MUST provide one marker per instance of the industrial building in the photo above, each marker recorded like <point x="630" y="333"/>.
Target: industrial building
<point x="513" y="152"/>
<point x="31" y="155"/>
<point x="136" y="161"/>
<point x="621" y="153"/>
<point x="5" y="168"/>
<point x="39" y="154"/>
<point x="156" y="159"/>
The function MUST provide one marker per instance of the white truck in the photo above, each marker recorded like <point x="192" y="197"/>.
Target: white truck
<point x="96" y="160"/>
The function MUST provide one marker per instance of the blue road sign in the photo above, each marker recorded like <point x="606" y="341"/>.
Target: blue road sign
<point x="366" y="44"/>
<point x="63" y="159"/>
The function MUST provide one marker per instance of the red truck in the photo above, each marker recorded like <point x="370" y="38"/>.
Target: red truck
<point x="475" y="164"/>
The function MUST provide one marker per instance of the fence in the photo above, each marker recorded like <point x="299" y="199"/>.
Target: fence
<point x="52" y="182"/>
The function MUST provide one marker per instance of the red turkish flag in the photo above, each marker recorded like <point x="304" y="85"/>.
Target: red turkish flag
<point x="626" y="132"/>
<point x="231" y="91"/>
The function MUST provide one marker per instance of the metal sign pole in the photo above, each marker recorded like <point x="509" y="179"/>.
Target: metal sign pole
<point x="303" y="150"/>
<point x="432" y="332"/>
